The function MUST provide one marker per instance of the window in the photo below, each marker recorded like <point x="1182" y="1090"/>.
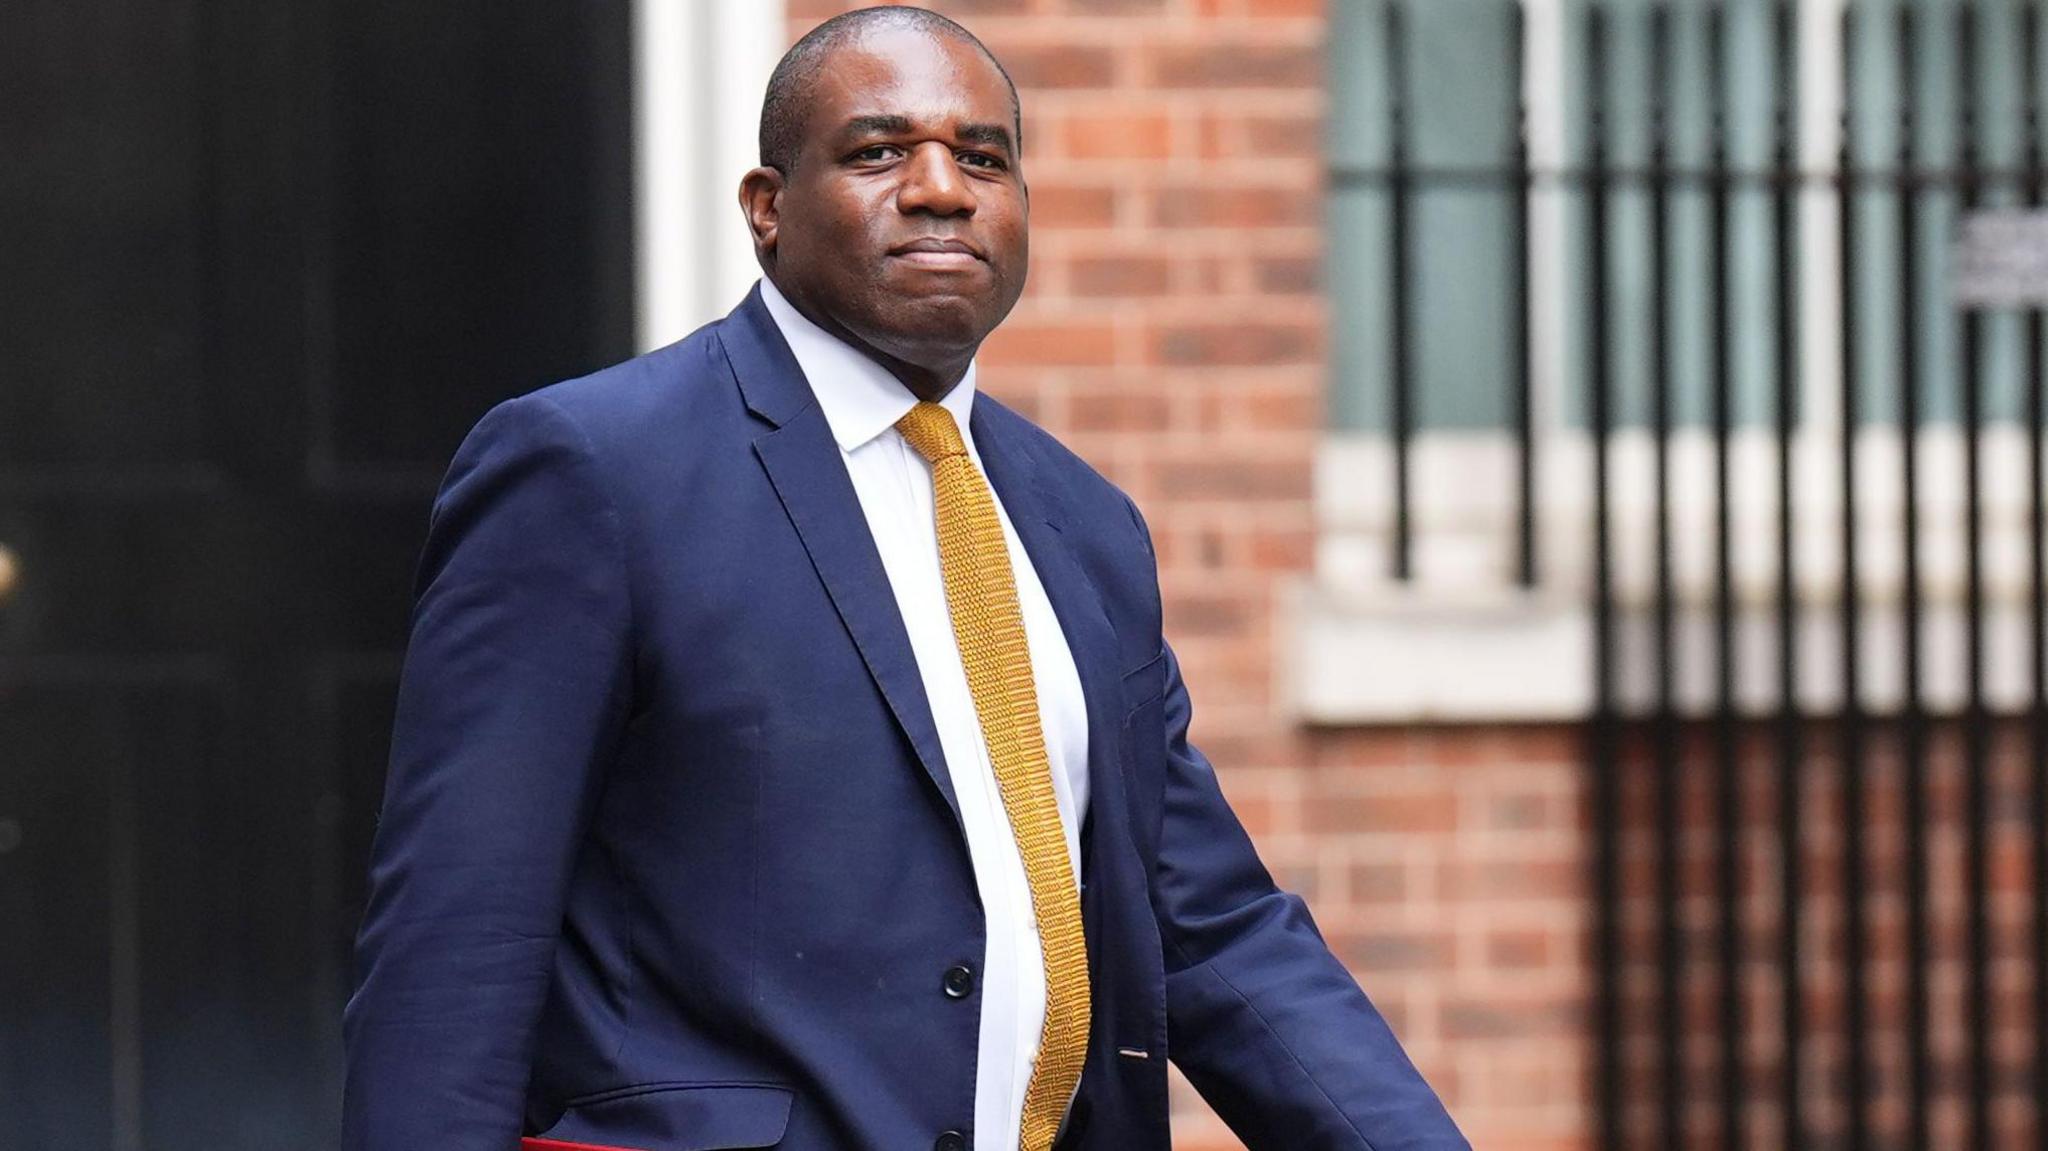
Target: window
<point x="1424" y="97"/>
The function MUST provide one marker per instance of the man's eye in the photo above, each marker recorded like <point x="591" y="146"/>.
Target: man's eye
<point x="875" y="152"/>
<point x="981" y="160"/>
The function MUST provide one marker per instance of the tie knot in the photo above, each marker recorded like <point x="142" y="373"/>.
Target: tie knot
<point x="930" y="429"/>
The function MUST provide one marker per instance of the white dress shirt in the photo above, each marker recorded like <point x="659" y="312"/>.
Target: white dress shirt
<point x="862" y="403"/>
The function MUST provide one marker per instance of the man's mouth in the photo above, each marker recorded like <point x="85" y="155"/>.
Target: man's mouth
<point x="937" y="252"/>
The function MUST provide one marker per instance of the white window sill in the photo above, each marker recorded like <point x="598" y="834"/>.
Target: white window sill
<point x="1396" y="655"/>
<point x="1463" y="644"/>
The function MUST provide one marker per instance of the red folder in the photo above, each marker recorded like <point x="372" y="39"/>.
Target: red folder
<point x="532" y="1144"/>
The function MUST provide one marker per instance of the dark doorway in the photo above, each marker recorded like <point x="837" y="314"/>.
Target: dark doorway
<point x="261" y="266"/>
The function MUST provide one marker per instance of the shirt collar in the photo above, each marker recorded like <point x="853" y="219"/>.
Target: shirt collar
<point x="860" y="398"/>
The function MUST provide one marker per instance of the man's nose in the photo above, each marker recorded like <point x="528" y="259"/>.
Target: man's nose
<point x="934" y="183"/>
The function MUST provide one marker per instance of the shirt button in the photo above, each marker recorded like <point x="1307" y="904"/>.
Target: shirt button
<point x="958" y="982"/>
<point x="950" y="1141"/>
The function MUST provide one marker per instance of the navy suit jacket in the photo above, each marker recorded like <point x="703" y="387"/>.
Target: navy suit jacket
<point x="669" y="858"/>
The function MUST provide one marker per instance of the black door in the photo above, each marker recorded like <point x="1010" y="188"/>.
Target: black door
<point x="261" y="265"/>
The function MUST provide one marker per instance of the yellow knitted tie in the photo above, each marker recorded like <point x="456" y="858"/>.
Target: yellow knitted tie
<point x="981" y="594"/>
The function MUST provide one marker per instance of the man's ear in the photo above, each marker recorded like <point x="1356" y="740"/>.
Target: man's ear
<point x="761" y="201"/>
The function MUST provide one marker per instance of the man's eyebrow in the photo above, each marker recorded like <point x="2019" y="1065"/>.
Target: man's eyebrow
<point x="994" y="134"/>
<point x="882" y="125"/>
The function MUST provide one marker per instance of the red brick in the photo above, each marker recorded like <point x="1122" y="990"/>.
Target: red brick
<point x="1058" y="66"/>
<point x="1123" y="276"/>
<point x="960" y="9"/>
<point x="1301" y="877"/>
<point x="1071" y="344"/>
<point x="803" y="14"/>
<point x="1117" y="7"/>
<point x="1378" y="883"/>
<point x="1121" y="410"/>
<point x="1292" y="136"/>
<point x="1028" y="402"/>
<point x="1196" y="613"/>
<point x="1515" y="880"/>
<point x="1142" y="136"/>
<point x="1409" y="813"/>
<point x="1208" y="205"/>
<point x="1282" y="549"/>
<point x="1252" y="408"/>
<point x="1232" y="65"/>
<point x="1055" y="205"/>
<point x="1254" y="801"/>
<point x="1217" y="477"/>
<point x="1394" y="950"/>
<point x="1241" y="342"/>
<point x="1268" y="9"/>
<point x="1470" y="1018"/>
<point x="1207" y="278"/>
<point x="1288" y="275"/>
<point x="1229" y="745"/>
<point x="1520" y="949"/>
<point x="1527" y="809"/>
<point x="1533" y="744"/>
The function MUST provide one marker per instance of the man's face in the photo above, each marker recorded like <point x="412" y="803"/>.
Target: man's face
<point x="905" y="221"/>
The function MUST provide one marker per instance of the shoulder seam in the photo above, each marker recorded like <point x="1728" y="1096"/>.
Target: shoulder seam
<point x="600" y="483"/>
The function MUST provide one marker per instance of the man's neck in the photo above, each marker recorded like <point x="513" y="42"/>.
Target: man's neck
<point x="927" y="382"/>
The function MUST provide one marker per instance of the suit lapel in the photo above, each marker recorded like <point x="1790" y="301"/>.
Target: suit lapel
<point x="803" y="464"/>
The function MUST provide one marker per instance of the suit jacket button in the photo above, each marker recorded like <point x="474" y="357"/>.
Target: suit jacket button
<point x="958" y="982"/>
<point x="950" y="1141"/>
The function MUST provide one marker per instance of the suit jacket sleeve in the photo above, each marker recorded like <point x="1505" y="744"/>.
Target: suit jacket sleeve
<point x="1262" y="1018"/>
<point x="515" y="687"/>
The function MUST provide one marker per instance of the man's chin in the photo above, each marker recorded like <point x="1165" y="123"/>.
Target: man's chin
<point x="936" y="322"/>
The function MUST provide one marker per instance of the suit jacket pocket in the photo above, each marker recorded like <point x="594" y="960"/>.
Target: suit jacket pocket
<point x="1145" y="682"/>
<point x="1142" y="744"/>
<point x="676" y="1117"/>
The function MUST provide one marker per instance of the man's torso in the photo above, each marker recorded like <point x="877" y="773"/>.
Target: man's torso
<point x="775" y="879"/>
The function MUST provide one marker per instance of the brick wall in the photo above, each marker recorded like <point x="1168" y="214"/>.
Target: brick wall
<point x="1819" y="921"/>
<point x="1174" y="334"/>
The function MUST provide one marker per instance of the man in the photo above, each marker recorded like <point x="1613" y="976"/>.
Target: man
<point x="787" y="752"/>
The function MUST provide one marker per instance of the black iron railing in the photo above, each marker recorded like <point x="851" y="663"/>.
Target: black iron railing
<point x="1800" y="938"/>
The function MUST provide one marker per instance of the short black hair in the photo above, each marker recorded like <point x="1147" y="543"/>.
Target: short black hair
<point x="786" y="107"/>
